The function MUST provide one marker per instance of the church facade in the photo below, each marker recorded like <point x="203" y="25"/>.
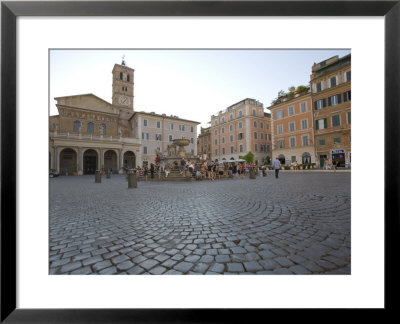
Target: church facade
<point x="92" y="134"/>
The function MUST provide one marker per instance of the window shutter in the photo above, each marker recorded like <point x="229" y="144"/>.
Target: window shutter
<point x="325" y="123"/>
<point x="345" y="97"/>
<point x="324" y="102"/>
<point x="329" y="101"/>
<point x="315" y="105"/>
<point x="316" y="125"/>
<point x="339" y="97"/>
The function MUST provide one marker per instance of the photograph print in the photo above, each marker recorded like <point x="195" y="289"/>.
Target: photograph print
<point x="199" y="162"/>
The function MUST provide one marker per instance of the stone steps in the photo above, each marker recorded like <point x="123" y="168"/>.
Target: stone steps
<point x="174" y="175"/>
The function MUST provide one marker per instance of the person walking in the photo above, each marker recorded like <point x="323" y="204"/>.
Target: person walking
<point x="183" y="164"/>
<point x="220" y="170"/>
<point x="234" y="170"/>
<point x="334" y="166"/>
<point x="158" y="171"/>
<point x="243" y="170"/>
<point x="213" y="171"/>
<point x="126" y="173"/>
<point x="152" y="169"/>
<point x="209" y="170"/>
<point x="276" y="165"/>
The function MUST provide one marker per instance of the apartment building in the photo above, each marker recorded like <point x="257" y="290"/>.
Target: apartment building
<point x="157" y="131"/>
<point x="241" y="128"/>
<point x="204" y="143"/>
<point x="330" y="83"/>
<point x="292" y="127"/>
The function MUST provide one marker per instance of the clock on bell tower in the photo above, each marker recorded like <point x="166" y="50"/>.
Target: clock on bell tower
<point x="122" y="87"/>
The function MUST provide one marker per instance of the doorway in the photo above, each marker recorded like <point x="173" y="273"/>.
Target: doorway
<point x="322" y="160"/>
<point x="89" y="162"/>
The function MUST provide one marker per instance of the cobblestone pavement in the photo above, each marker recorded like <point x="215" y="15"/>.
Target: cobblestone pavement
<point x="297" y="224"/>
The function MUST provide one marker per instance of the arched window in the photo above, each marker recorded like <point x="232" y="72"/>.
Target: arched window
<point x="90" y="128"/>
<point x="76" y="126"/>
<point x="102" y="129"/>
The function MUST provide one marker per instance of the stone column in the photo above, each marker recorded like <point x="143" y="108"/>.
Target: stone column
<point x="121" y="161"/>
<point x="55" y="159"/>
<point x="101" y="158"/>
<point x="80" y="161"/>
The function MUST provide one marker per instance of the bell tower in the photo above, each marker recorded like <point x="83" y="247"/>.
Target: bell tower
<point x="122" y="89"/>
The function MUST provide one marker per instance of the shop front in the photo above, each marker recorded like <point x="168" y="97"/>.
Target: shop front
<point x="338" y="158"/>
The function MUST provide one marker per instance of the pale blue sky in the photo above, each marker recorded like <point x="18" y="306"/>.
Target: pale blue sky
<point x="192" y="84"/>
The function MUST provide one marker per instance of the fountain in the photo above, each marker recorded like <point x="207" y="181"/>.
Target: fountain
<point x="181" y="143"/>
<point x="176" y="151"/>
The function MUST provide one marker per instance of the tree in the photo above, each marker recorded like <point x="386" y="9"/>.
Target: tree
<point x="302" y="88"/>
<point x="281" y="93"/>
<point x="249" y="157"/>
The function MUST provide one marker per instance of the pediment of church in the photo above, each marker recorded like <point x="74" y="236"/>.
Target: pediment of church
<point x="87" y="102"/>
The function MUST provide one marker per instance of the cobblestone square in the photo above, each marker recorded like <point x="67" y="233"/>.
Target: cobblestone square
<point x="297" y="224"/>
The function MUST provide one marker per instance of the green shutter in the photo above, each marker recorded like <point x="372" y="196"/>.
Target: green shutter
<point x="316" y="124"/>
<point x="325" y="123"/>
<point x="339" y="98"/>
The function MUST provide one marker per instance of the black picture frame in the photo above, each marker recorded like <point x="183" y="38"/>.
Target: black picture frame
<point x="10" y="10"/>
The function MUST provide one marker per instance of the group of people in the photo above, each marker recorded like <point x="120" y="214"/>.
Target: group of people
<point x="155" y="169"/>
<point x="205" y="170"/>
<point x="329" y="165"/>
<point x="209" y="170"/>
<point x="213" y="170"/>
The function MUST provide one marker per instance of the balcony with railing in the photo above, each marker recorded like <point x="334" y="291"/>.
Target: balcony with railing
<point x="95" y="138"/>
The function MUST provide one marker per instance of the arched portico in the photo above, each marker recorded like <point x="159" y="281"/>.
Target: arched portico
<point x="129" y="160"/>
<point x="68" y="161"/>
<point x="110" y="161"/>
<point x="90" y="161"/>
